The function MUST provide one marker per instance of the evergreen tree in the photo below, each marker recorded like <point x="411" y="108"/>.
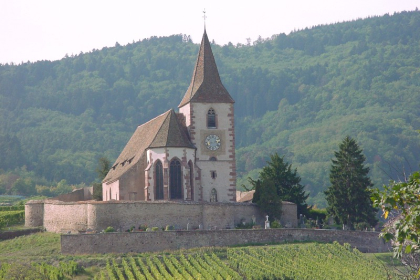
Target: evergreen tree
<point x="266" y="198"/>
<point x="348" y="196"/>
<point x="285" y="180"/>
<point x="104" y="165"/>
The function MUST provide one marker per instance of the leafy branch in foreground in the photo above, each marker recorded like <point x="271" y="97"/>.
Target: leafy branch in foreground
<point x="401" y="201"/>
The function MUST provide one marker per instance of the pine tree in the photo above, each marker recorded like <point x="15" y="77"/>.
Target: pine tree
<point x="285" y="180"/>
<point x="267" y="199"/>
<point x="348" y="196"/>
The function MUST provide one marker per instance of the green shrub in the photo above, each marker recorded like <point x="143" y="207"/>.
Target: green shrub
<point x="168" y="227"/>
<point x="142" y="227"/>
<point x="317" y="214"/>
<point x="155" y="229"/>
<point x="109" y="229"/>
<point x="275" y="224"/>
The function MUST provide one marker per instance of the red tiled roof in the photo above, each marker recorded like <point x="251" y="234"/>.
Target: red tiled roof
<point x="162" y="131"/>
<point x="245" y="196"/>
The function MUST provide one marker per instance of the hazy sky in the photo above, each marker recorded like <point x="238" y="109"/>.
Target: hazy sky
<point x="49" y="29"/>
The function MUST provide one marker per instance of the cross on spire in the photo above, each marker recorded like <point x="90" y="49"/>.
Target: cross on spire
<point x="204" y="16"/>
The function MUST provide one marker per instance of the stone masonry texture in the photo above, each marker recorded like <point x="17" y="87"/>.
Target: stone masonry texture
<point x="75" y="217"/>
<point x="175" y="240"/>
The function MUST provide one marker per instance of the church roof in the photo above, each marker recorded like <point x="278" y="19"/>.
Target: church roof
<point x="206" y="86"/>
<point x="163" y="131"/>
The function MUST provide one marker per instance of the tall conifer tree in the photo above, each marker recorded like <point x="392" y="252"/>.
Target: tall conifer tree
<point x="348" y="196"/>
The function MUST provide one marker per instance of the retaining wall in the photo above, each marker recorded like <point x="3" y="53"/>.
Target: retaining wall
<point x="174" y="240"/>
<point x="12" y="234"/>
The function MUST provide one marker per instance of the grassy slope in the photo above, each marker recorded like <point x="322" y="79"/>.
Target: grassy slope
<point x="45" y="247"/>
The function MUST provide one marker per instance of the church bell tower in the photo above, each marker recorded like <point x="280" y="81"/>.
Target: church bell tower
<point x="209" y="117"/>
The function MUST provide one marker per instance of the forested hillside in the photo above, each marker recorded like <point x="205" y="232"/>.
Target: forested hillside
<point x="298" y="95"/>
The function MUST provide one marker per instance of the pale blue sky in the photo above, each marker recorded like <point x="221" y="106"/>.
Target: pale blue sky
<point x="49" y="29"/>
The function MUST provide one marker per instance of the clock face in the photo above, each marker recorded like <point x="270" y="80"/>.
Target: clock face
<point x="212" y="142"/>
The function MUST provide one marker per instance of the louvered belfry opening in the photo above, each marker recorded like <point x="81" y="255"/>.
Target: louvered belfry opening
<point x="175" y="180"/>
<point x="158" y="180"/>
<point x="211" y="119"/>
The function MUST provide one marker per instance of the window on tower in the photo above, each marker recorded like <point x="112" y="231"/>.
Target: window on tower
<point x="211" y="118"/>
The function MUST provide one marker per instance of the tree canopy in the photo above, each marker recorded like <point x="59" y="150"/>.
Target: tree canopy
<point x="402" y="199"/>
<point x="278" y="177"/>
<point x="400" y="204"/>
<point x="348" y="196"/>
<point x="267" y="199"/>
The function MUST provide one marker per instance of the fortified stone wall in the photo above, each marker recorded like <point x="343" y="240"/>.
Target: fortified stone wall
<point x="63" y="217"/>
<point x="174" y="240"/>
<point x="34" y="213"/>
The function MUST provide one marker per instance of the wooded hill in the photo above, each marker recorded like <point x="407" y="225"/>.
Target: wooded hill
<point x="298" y="95"/>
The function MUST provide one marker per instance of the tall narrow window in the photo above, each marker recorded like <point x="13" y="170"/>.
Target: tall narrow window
<point x="175" y="180"/>
<point x="211" y="119"/>
<point x="158" y="180"/>
<point x="190" y="165"/>
<point x="213" y="195"/>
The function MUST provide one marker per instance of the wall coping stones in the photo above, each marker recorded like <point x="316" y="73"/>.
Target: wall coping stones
<point x="126" y="242"/>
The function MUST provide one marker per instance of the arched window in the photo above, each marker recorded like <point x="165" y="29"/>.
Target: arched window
<point x="158" y="180"/>
<point x="175" y="180"/>
<point x="190" y="165"/>
<point x="211" y="118"/>
<point x="213" y="195"/>
<point x="213" y="159"/>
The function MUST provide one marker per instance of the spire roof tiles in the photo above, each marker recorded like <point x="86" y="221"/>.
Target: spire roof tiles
<point x="206" y="86"/>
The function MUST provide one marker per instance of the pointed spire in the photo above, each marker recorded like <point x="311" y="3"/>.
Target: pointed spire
<point x="206" y="86"/>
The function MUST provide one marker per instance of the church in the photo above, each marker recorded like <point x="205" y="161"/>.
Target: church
<point x="185" y="156"/>
<point x="177" y="169"/>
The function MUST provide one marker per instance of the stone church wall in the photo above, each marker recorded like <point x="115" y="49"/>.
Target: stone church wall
<point x="63" y="217"/>
<point x="174" y="240"/>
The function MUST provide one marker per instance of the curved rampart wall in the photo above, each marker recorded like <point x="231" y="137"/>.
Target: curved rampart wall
<point x="64" y="217"/>
<point x="34" y="213"/>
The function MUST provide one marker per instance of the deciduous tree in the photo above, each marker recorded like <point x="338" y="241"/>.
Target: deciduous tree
<point x="401" y="201"/>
